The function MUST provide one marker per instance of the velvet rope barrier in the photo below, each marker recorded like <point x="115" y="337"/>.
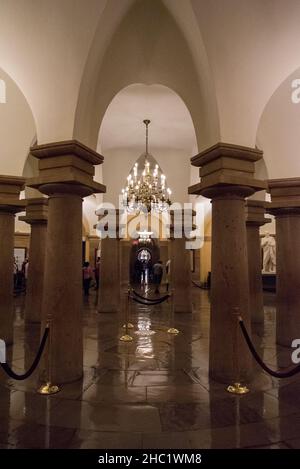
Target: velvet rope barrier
<point x="143" y="302"/>
<point x="150" y="299"/>
<point x="275" y="374"/>
<point x="35" y="363"/>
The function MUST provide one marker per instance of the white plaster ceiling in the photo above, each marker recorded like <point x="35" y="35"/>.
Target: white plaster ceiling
<point x="171" y="125"/>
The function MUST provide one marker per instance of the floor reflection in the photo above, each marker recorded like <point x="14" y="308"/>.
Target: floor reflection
<point x="153" y="392"/>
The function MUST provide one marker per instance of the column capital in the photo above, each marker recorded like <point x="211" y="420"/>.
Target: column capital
<point x="10" y="188"/>
<point x="36" y="211"/>
<point x="226" y="168"/>
<point x="66" y="167"/>
<point x="255" y="213"/>
<point x="285" y="196"/>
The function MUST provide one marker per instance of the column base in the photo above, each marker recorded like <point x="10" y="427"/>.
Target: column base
<point x="183" y="308"/>
<point x="108" y="309"/>
<point x="285" y="337"/>
<point x="258" y="319"/>
<point x="58" y="376"/>
<point x="228" y="378"/>
<point x="31" y="321"/>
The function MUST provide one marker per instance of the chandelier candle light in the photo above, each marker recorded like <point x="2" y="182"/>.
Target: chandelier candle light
<point x="148" y="190"/>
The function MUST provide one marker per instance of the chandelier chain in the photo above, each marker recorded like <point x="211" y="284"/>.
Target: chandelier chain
<point x="147" y="122"/>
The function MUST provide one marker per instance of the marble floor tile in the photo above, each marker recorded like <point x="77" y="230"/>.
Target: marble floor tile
<point x="84" y="439"/>
<point x="103" y="417"/>
<point x="180" y="393"/>
<point x="114" y="394"/>
<point x="170" y="440"/>
<point x="154" y="392"/>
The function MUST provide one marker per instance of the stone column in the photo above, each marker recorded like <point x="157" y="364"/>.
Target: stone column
<point x="181" y="279"/>
<point x="255" y="217"/>
<point x="181" y="276"/>
<point x="109" y="295"/>
<point x="227" y="177"/>
<point x="125" y="250"/>
<point x="285" y="205"/>
<point x="36" y="217"/>
<point x="10" y="204"/>
<point x="65" y="175"/>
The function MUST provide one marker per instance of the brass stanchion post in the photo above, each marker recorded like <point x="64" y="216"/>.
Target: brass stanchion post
<point x="236" y="387"/>
<point x="48" y="388"/>
<point x="127" y="337"/>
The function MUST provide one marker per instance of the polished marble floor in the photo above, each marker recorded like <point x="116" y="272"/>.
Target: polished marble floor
<point x="151" y="393"/>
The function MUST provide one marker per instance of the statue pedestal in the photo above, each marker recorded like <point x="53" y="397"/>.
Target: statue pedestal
<point x="269" y="281"/>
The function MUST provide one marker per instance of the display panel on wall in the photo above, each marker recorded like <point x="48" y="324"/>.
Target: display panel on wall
<point x="19" y="256"/>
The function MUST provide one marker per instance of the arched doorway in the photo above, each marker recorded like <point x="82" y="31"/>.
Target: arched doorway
<point x="143" y="256"/>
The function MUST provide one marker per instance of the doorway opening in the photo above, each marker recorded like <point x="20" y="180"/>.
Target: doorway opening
<point x="143" y="256"/>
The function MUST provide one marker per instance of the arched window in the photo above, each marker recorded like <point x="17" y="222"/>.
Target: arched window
<point x="2" y="92"/>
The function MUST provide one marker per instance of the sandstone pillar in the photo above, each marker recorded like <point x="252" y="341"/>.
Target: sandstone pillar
<point x="181" y="279"/>
<point x="10" y="204"/>
<point x="125" y="250"/>
<point x="255" y="217"/>
<point x="227" y="178"/>
<point x="109" y="295"/>
<point x="285" y="205"/>
<point x="36" y="217"/>
<point x="66" y="175"/>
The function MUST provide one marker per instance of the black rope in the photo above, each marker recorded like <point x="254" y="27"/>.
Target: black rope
<point x="150" y="299"/>
<point x="143" y="302"/>
<point x="35" y="363"/>
<point x="276" y="374"/>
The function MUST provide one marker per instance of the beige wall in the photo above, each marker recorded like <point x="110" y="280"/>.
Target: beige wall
<point x="196" y="273"/>
<point x="205" y="259"/>
<point x="92" y="243"/>
<point x="22" y="240"/>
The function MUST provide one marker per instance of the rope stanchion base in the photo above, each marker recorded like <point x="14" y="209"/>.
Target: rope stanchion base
<point x="237" y="388"/>
<point x="126" y="338"/>
<point x="129" y="325"/>
<point x="173" y="330"/>
<point x="48" y="389"/>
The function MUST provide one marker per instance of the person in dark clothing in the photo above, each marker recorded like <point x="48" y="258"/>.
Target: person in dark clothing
<point x="137" y="271"/>
<point x="144" y="268"/>
<point x="157" y="275"/>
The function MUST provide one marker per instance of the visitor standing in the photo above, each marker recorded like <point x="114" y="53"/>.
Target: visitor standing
<point x="97" y="272"/>
<point x="157" y="275"/>
<point x="87" y="277"/>
<point x="168" y="272"/>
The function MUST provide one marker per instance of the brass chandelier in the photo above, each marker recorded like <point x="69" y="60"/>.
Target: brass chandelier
<point x="147" y="190"/>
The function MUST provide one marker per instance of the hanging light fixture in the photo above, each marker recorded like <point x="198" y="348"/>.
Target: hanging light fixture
<point x="146" y="188"/>
<point x="145" y="236"/>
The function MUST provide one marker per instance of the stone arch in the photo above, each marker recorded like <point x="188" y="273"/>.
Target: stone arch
<point x="172" y="138"/>
<point x="278" y="131"/>
<point x="17" y="127"/>
<point x="145" y="50"/>
<point x="2" y="92"/>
